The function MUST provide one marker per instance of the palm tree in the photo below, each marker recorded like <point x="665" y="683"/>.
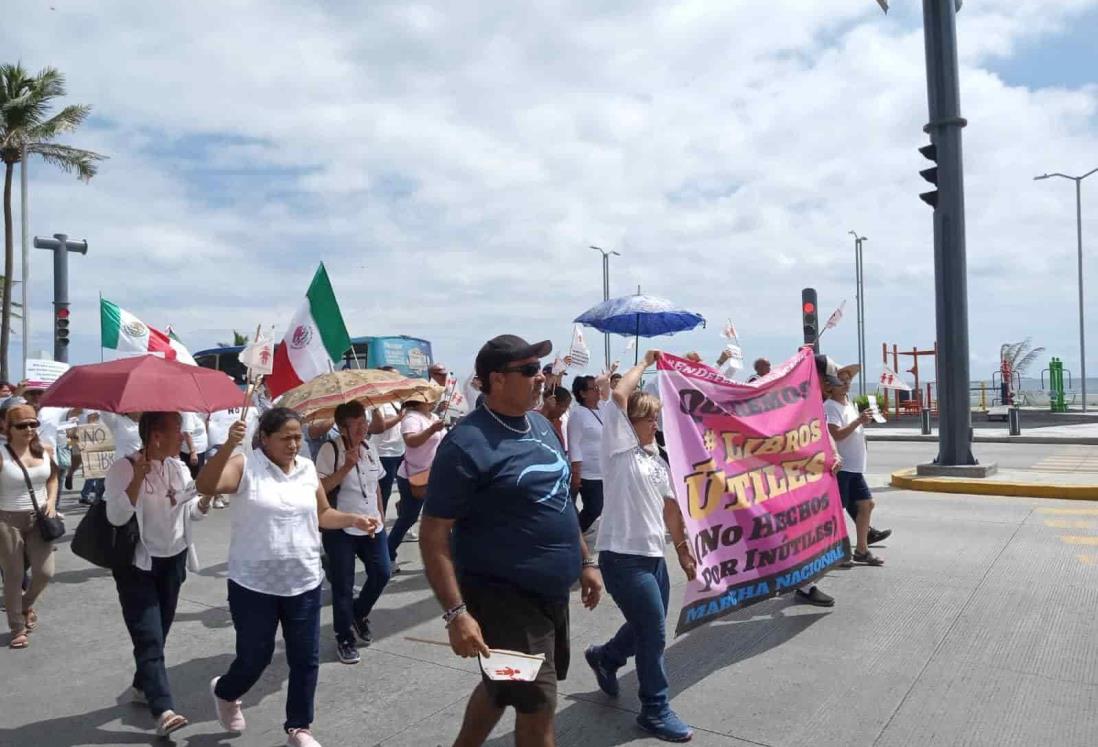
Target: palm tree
<point x="1020" y="355"/>
<point x="25" y="126"/>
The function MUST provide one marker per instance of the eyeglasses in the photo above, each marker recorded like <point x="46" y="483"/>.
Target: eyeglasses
<point x="26" y="425"/>
<point x="529" y="370"/>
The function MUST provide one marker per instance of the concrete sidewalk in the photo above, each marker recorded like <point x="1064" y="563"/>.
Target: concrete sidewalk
<point x="977" y="631"/>
<point x="1056" y="434"/>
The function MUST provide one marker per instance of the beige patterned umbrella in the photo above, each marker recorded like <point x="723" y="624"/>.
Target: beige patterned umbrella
<point x="317" y="399"/>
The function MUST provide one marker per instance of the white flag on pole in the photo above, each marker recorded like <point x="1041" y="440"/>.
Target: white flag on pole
<point x="836" y="316"/>
<point x="729" y="332"/>
<point x="889" y="380"/>
<point x="578" y="352"/>
<point x="258" y="356"/>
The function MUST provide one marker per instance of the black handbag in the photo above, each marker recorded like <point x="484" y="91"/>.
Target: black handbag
<point x="50" y="527"/>
<point x="101" y="543"/>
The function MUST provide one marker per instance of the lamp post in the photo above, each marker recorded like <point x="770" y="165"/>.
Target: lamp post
<point x="859" y="305"/>
<point x="1079" y="238"/>
<point x="606" y="291"/>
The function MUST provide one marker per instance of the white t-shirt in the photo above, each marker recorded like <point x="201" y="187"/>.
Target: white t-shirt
<point x="389" y="443"/>
<point x="418" y="459"/>
<point x="219" y="422"/>
<point x="852" y="448"/>
<point x="49" y="420"/>
<point x="127" y="439"/>
<point x="358" y="491"/>
<point x="164" y="528"/>
<point x="636" y="482"/>
<point x="585" y="441"/>
<point x="275" y="542"/>
<point x="195" y="425"/>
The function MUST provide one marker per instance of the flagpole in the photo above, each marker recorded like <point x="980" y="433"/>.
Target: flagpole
<point x="100" y="326"/>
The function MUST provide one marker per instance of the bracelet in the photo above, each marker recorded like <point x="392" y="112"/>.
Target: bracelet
<point x="684" y="542"/>
<point x="590" y="563"/>
<point x="451" y="614"/>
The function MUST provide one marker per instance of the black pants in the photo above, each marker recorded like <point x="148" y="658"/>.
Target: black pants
<point x="148" y="601"/>
<point x="590" y="493"/>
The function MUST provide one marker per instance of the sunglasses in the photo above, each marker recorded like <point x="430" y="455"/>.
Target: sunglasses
<point x="26" y="425"/>
<point x="529" y="370"/>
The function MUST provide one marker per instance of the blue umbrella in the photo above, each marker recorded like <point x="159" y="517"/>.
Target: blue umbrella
<point x="640" y="316"/>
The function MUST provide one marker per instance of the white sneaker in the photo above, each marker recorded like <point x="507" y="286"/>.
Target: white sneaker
<point x="218" y="502"/>
<point x="301" y="738"/>
<point x="229" y="714"/>
<point x="411" y="535"/>
<point x="168" y="722"/>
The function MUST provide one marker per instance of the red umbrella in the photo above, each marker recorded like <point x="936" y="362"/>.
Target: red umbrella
<point x="144" y="383"/>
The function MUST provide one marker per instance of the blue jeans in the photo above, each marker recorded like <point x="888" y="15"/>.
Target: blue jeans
<point x="641" y="588"/>
<point x="407" y="515"/>
<point x="256" y="617"/>
<point x="93" y="489"/>
<point x="342" y="549"/>
<point x="385" y="482"/>
<point x="591" y="494"/>
<point x="148" y="600"/>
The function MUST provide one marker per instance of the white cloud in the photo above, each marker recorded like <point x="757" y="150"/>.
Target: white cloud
<point x="452" y="162"/>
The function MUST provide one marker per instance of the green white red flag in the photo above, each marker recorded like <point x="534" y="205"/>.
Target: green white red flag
<point x="124" y="332"/>
<point x="315" y="340"/>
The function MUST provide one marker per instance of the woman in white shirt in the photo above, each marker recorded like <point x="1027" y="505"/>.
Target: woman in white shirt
<point x="422" y="432"/>
<point x="387" y="441"/>
<point x="154" y="488"/>
<point x="349" y="469"/>
<point x="19" y="535"/>
<point x="275" y="575"/>
<point x="584" y="442"/>
<point x="640" y="507"/>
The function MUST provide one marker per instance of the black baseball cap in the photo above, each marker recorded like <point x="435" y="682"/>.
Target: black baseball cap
<point x="500" y="351"/>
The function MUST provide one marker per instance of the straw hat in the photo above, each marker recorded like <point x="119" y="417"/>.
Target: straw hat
<point x="852" y="370"/>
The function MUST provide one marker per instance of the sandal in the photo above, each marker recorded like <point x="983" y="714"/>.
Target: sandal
<point x="31" y="618"/>
<point x="170" y="721"/>
<point x="19" y="640"/>
<point x="867" y="558"/>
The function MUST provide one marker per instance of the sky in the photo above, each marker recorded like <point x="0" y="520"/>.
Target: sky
<point x="451" y="163"/>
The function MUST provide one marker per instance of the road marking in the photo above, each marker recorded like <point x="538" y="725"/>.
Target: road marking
<point x="1070" y="523"/>
<point x="1079" y="539"/>
<point x="1087" y="559"/>
<point x="1069" y="511"/>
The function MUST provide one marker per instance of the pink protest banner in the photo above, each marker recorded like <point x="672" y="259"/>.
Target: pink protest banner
<point x="752" y="470"/>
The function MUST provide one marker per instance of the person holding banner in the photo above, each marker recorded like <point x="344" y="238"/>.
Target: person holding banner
<point x="639" y="508"/>
<point x="275" y="576"/>
<point x="154" y="486"/>
<point x="584" y="443"/>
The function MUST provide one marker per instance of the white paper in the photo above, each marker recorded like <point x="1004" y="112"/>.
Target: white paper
<point x="41" y="373"/>
<point x="578" y="352"/>
<point x="511" y="666"/>
<point x="875" y="410"/>
<point x="258" y="357"/>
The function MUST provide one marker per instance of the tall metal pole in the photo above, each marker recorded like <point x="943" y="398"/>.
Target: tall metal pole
<point x="950" y="265"/>
<point x="61" y="246"/>
<point x="859" y="306"/>
<point x="1079" y="238"/>
<point x="606" y="292"/>
<point x="24" y="222"/>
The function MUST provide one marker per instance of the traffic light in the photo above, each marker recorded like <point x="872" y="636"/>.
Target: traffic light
<point x="61" y="326"/>
<point x="930" y="152"/>
<point x="810" y="316"/>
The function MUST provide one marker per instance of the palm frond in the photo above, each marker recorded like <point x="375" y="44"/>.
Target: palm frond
<point x="69" y="159"/>
<point x="66" y="120"/>
<point x="1028" y="359"/>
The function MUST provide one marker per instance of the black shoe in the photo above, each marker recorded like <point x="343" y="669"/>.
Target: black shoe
<point x="84" y="501"/>
<point x="815" y="597"/>
<point x="867" y="558"/>
<point x="876" y="536"/>
<point x="604" y="675"/>
<point x="347" y="652"/>
<point x="362" y="630"/>
<point x="68" y="482"/>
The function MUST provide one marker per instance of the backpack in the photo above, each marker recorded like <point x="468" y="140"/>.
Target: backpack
<point x="101" y="543"/>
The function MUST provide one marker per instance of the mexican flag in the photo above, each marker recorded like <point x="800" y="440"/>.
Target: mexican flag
<point x="315" y="340"/>
<point x="124" y="332"/>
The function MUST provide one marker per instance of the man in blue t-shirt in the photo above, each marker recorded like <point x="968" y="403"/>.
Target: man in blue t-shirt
<point x="500" y="484"/>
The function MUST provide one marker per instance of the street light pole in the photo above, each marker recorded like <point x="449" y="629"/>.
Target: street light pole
<point x="606" y="291"/>
<point x="61" y="246"/>
<point x="859" y="306"/>
<point x="1079" y="237"/>
<point x="25" y="272"/>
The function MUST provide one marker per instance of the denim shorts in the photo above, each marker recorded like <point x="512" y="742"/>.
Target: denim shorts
<point x="853" y="488"/>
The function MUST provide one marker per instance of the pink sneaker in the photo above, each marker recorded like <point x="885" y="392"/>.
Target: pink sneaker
<point x="301" y="738"/>
<point x="229" y="714"/>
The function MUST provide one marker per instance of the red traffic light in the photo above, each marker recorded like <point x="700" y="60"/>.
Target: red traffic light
<point x="809" y="307"/>
<point x="61" y="313"/>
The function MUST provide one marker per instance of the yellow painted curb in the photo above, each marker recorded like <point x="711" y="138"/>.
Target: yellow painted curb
<point x="908" y="480"/>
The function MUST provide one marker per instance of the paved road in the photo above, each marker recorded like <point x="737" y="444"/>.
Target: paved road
<point x="889" y="456"/>
<point x="977" y="631"/>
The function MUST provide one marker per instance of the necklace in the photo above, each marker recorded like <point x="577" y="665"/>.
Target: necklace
<point x="164" y="475"/>
<point x="508" y="427"/>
